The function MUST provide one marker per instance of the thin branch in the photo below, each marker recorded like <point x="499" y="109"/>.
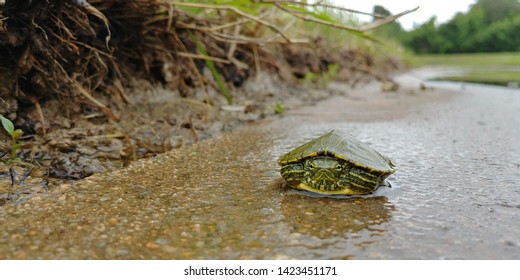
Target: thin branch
<point x="170" y="18"/>
<point x="318" y="4"/>
<point x="386" y="20"/>
<point x="101" y="106"/>
<point x="40" y="114"/>
<point x="363" y="28"/>
<point x="230" y="24"/>
<point x="240" y="39"/>
<point x="312" y="19"/>
<point x="200" y="56"/>
<point x="231" y="8"/>
<point x="231" y="52"/>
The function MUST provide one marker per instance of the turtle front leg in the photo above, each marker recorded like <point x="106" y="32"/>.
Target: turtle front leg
<point x="358" y="181"/>
<point x="293" y="173"/>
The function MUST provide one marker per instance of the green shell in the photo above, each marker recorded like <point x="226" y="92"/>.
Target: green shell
<point x="342" y="146"/>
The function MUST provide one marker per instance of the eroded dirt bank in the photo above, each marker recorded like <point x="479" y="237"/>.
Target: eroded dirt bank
<point x="94" y="85"/>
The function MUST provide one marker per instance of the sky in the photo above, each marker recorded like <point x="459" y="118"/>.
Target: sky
<point x="443" y="9"/>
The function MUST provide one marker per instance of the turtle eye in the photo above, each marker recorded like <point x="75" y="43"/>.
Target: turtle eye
<point x="310" y="164"/>
<point x="339" y="167"/>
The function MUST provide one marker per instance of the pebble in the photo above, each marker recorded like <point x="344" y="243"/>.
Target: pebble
<point x="36" y="198"/>
<point x="266" y="211"/>
<point x="47" y="230"/>
<point x="100" y="227"/>
<point x="152" y="245"/>
<point x="161" y="241"/>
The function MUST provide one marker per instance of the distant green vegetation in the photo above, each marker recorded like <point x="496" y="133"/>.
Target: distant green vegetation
<point x="484" y="68"/>
<point x="469" y="60"/>
<point x="485" y="41"/>
<point x="489" y="26"/>
<point x="502" y="78"/>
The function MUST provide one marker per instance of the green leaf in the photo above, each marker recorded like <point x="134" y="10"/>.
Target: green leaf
<point x="7" y="124"/>
<point x="17" y="133"/>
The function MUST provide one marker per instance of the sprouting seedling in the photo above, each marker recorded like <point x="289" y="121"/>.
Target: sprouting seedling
<point x="15" y="135"/>
<point x="279" y="108"/>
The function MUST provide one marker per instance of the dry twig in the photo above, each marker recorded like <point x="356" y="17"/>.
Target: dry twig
<point x="237" y="11"/>
<point x="386" y="20"/>
<point x="201" y="56"/>
<point x="362" y="28"/>
<point x="318" y="4"/>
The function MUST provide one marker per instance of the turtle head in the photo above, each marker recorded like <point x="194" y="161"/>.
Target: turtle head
<point x="323" y="173"/>
<point x="315" y="173"/>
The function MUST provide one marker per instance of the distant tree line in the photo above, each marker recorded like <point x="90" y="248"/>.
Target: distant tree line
<point x="489" y="26"/>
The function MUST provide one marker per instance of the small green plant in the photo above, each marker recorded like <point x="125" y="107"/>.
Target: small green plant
<point x="309" y="78"/>
<point x="279" y="108"/>
<point x="332" y="72"/>
<point x="15" y="144"/>
<point x="323" y="79"/>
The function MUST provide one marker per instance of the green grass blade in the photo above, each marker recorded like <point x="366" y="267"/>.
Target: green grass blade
<point x="214" y="72"/>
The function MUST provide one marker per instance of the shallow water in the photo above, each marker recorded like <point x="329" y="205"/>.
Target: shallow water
<point x="455" y="194"/>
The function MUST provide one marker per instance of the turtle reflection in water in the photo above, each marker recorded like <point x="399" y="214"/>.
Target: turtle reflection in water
<point x="335" y="163"/>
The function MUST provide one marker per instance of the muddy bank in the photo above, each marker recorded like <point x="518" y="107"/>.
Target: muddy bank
<point x="96" y="85"/>
<point x="221" y="198"/>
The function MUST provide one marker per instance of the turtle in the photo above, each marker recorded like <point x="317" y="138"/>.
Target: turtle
<point x="336" y="163"/>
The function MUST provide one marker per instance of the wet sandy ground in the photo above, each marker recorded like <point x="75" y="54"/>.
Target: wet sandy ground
<point x="455" y="194"/>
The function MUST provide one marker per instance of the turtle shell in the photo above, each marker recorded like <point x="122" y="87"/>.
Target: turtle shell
<point x="342" y="146"/>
